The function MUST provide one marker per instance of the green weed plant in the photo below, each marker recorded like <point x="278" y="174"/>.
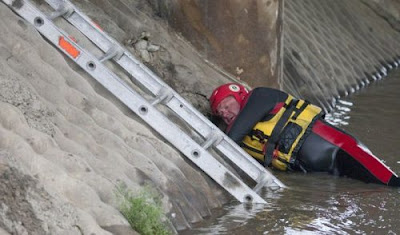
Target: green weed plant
<point x="143" y="211"/>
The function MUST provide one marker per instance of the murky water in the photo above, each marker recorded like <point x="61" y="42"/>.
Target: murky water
<point x="319" y="203"/>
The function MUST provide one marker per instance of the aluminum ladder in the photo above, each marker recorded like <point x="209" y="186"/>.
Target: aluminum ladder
<point x="198" y="153"/>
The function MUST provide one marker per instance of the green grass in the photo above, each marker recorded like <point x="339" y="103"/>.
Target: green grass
<point x="143" y="211"/>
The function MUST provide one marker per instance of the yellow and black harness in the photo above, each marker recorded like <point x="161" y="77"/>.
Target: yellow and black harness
<point x="278" y="137"/>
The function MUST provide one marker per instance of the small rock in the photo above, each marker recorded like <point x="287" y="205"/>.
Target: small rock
<point x="239" y="70"/>
<point x="153" y="48"/>
<point x="141" y="45"/>
<point x="145" y="55"/>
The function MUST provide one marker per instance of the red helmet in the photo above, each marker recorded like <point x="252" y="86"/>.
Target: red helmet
<point x="230" y="89"/>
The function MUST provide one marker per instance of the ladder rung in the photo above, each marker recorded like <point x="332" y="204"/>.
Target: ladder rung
<point x="164" y="95"/>
<point x="212" y="140"/>
<point x="112" y="53"/>
<point x="64" y="10"/>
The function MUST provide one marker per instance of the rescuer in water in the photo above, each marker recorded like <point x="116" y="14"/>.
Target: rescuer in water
<point x="291" y="134"/>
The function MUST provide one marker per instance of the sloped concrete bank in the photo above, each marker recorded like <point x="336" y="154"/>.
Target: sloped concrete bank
<point x="66" y="143"/>
<point x="332" y="48"/>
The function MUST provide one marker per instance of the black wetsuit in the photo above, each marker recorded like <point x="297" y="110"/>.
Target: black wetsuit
<point x="325" y="148"/>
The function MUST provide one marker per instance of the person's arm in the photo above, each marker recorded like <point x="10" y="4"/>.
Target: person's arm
<point x="261" y="101"/>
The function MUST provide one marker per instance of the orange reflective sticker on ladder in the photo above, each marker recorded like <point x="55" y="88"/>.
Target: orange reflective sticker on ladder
<point x="68" y="47"/>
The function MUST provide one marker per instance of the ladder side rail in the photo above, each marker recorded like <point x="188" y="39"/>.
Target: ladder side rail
<point x="227" y="147"/>
<point x="142" y="107"/>
<point x="236" y="153"/>
<point x="151" y="81"/>
<point x="179" y="105"/>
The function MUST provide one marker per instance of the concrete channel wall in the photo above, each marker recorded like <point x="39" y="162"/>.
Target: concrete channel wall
<point x="335" y="47"/>
<point x="242" y="37"/>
